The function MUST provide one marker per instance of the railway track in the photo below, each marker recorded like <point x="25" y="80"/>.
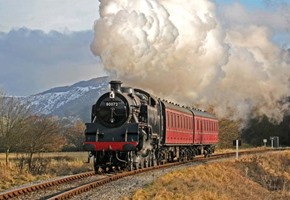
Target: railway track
<point x="43" y="186"/>
<point x="67" y="187"/>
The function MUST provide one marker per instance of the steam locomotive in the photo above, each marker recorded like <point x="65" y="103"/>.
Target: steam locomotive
<point x="132" y="129"/>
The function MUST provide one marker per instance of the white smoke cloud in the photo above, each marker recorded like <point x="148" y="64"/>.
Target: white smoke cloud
<point x="180" y="50"/>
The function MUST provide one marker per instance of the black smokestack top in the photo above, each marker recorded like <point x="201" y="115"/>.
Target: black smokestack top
<point x="116" y="85"/>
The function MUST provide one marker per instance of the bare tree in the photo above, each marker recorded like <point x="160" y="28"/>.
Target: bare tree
<point x="228" y="131"/>
<point x="13" y="120"/>
<point x="42" y="135"/>
<point x="74" y="135"/>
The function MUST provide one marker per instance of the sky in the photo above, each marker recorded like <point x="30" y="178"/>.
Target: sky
<point x="45" y="44"/>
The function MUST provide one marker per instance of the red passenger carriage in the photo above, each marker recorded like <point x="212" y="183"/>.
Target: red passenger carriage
<point x="190" y="127"/>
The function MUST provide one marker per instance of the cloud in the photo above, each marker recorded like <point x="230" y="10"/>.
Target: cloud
<point x="276" y="17"/>
<point x="47" y="15"/>
<point x="273" y="14"/>
<point x="184" y="50"/>
<point x="32" y="60"/>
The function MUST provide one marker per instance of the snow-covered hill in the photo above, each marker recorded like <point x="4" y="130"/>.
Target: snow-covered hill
<point x="69" y="101"/>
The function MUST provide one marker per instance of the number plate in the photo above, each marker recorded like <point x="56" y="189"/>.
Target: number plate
<point x="112" y="104"/>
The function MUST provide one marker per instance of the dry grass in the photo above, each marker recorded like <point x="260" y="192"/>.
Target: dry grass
<point x="254" y="177"/>
<point x="10" y="176"/>
<point x="77" y="155"/>
<point x="230" y="150"/>
<point x="47" y="165"/>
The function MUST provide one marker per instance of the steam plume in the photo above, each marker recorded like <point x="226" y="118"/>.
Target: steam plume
<point x="180" y="50"/>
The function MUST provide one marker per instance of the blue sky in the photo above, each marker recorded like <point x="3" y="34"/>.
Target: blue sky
<point x="46" y="43"/>
<point x="252" y="4"/>
<point x="255" y="4"/>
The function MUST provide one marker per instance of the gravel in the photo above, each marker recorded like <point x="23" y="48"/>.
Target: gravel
<point x="126" y="187"/>
<point x="51" y="191"/>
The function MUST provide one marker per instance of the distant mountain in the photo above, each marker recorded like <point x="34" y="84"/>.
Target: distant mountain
<point x="74" y="101"/>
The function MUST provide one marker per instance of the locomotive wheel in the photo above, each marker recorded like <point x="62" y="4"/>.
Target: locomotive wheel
<point x="146" y="159"/>
<point x="143" y="163"/>
<point x="111" y="168"/>
<point x="153" y="158"/>
<point x="130" y="165"/>
<point x="146" y="162"/>
<point x="149" y="160"/>
<point x="96" y="169"/>
<point x="192" y="154"/>
<point x="206" y="153"/>
<point x="96" y="166"/>
<point x="160" y="157"/>
<point x="104" y="168"/>
<point x="136" y="165"/>
<point x="140" y="161"/>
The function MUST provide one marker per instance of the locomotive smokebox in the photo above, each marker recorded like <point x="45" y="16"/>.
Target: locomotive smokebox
<point x="116" y="85"/>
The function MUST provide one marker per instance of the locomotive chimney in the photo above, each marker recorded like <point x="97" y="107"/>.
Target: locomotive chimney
<point x="116" y="86"/>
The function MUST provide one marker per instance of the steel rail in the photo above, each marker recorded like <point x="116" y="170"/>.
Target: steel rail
<point x="40" y="186"/>
<point x="100" y="182"/>
<point x="95" y="184"/>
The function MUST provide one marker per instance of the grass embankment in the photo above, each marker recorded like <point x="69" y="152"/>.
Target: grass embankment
<point x="44" y="166"/>
<point x="253" y="177"/>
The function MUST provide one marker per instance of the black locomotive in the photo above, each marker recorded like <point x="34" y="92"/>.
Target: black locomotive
<point x="131" y="129"/>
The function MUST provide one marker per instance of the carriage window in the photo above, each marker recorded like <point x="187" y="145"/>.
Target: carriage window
<point x="182" y="121"/>
<point x="189" y="123"/>
<point x="199" y="125"/>
<point x="170" y="123"/>
<point x="174" y="120"/>
<point x="207" y="125"/>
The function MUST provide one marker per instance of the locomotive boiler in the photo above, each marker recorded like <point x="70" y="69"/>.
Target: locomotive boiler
<point x="132" y="129"/>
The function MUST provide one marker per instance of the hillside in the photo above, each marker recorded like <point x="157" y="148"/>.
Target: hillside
<point x="72" y="101"/>
<point x="254" y="177"/>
